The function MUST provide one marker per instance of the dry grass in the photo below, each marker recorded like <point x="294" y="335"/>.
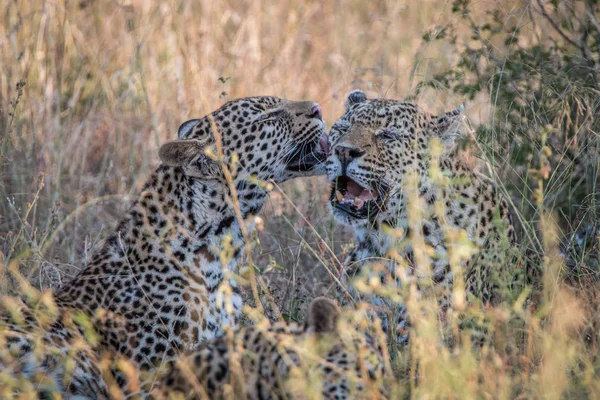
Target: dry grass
<point x="107" y="82"/>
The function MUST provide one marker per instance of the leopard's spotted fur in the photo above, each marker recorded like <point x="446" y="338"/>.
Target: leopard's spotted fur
<point x="281" y="361"/>
<point x="153" y="288"/>
<point x="376" y="146"/>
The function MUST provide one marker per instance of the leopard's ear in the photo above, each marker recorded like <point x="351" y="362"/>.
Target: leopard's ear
<point x="186" y="128"/>
<point x="191" y="155"/>
<point x="323" y="315"/>
<point x="447" y="127"/>
<point x="355" y="97"/>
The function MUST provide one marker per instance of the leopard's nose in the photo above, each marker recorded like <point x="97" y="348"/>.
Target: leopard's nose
<point x="348" y="153"/>
<point x="315" y="112"/>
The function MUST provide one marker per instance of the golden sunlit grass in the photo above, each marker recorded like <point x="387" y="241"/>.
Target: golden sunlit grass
<point x="107" y="82"/>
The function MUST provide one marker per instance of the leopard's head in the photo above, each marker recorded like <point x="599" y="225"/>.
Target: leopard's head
<point x="261" y="138"/>
<point x="375" y="146"/>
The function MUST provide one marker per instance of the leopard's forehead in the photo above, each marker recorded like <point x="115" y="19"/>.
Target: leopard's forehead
<point x="264" y="102"/>
<point x="382" y="112"/>
<point x="372" y="115"/>
<point x="233" y="115"/>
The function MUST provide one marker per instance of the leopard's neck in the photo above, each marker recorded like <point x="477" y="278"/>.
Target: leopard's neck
<point x="177" y="224"/>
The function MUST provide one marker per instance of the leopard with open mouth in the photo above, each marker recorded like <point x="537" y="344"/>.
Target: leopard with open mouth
<point x="375" y="149"/>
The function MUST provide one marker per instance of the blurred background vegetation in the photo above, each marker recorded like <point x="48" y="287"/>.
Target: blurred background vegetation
<point x="89" y="89"/>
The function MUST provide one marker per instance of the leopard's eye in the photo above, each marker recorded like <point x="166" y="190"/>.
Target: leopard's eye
<point x="269" y="115"/>
<point x="341" y="125"/>
<point x="387" y="134"/>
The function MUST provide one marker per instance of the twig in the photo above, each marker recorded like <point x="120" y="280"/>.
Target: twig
<point x="557" y="28"/>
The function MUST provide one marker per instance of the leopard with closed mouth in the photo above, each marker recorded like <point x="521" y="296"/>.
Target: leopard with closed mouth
<point x="157" y="285"/>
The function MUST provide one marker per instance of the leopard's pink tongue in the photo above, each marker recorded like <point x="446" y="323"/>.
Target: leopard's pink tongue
<point x="357" y="195"/>
<point x="367" y="195"/>
<point x="354" y="188"/>
<point x="323" y="143"/>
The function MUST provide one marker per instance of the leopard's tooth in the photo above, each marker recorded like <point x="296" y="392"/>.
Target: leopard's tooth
<point x="339" y="196"/>
<point x="357" y="201"/>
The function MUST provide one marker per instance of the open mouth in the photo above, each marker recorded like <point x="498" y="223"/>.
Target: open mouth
<point x="355" y="200"/>
<point x="309" y="156"/>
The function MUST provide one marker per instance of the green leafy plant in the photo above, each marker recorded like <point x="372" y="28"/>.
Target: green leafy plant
<point x="538" y="64"/>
